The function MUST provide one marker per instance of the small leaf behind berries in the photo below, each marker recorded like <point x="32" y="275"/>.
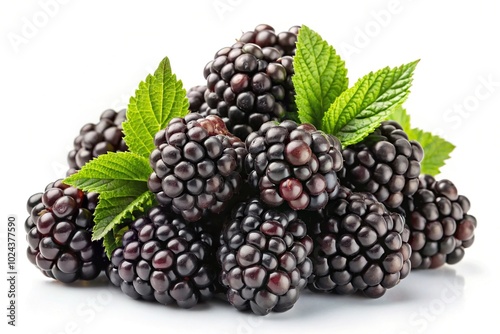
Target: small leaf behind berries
<point x="113" y="239"/>
<point x="118" y="172"/>
<point x="158" y="99"/>
<point x="320" y="76"/>
<point x="114" y="207"/>
<point x="360" y="109"/>
<point x="400" y="115"/>
<point x="436" y="149"/>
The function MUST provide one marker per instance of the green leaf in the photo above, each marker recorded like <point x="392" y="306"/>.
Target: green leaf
<point x="113" y="239"/>
<point x="360" y="109"/>
<point x="436" y="149"/>
<point x="114" y="208"/>
<point x="320" y="76"/>
<point x="400" y="115"/>
<point x="158" y="99"/>
<point x="117" y="172"/>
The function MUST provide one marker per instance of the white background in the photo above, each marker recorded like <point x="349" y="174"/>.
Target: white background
<point x="81" y="57"/>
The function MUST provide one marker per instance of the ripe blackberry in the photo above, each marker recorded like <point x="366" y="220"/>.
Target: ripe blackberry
<point x="440" y="225"/>
<point x="163" y="258"/>
<point x="385" y="164"/>
<point x="292" y="163"/>
<point x="96" y="139"/>
<point x="250" y="82"/>
<point x="263" y="255"/>
<point x="196" y="98"/>
<point x="59" y="232"/>
<point x="196" y="166"/>
<point x="358" y="246"/>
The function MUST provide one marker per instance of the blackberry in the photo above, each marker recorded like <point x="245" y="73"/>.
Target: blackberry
<point x="165" y="259"/>
<point x="196" y="98"/>
<point x="440" y="225"/>
<point x="292" y="163"/>
<point x="358" y="246"/>
<point x="59" y="232"/>
<point x="264" y="258"/>
<point x="196" y="166"/>
<point x="96" y="139"/>
<point x="250" y="82"/>
<point x="385" y="164"/>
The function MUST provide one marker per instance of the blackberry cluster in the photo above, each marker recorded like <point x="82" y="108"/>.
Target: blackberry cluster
<point x="358" y="246"/>
<point x="440" y="225"/>
<point x="196" y="166"/>
<point x="96" y="139"/>
<point x="59" y="233"/>
<point x="250" y="82"/>
<point x="165" y="259"/>
<point x="292" y="163"/>
<point x="264" y="258"/>
<point x="385" y="164"/>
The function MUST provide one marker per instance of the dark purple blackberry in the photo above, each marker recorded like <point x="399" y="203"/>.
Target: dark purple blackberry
<point x="196" y="166"/>
<point x="165" y="259"/>
<point x="385" y="164"/>
<point x="59" y="231"/>
<point x="96" y="139"/>
<point x="250" y="82"/>
<point x="264" y="258"/>
<point x="196" y="98"/>
<point x="358" y="246"/>
<point x="440" y="225"/>
<point x="292" y="163"/>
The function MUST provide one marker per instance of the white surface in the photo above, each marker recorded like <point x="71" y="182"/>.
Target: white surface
<point x="91" y="55"/>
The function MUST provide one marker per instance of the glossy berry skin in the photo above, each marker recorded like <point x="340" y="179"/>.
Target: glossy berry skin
<point x="293" y="164"/>
<point x="196" y="98"/>
<point x="196" y="166"/>
<point x="358" y="246"/>
<point x="263" y="255"/>
<point x="385" y="164"/>
<point x="441" y="227"/>
<point x="59" y="231"/>
<point x="162" y="258"/>
<point x="97" y="139"/>
<point x="250" y="82"/>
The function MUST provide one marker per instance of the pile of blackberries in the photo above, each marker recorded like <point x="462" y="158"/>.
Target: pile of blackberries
<point x="252" y="205"/>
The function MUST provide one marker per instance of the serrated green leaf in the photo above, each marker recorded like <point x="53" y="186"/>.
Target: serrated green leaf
<point x="319" y="76"/>
<point x="113" y="239"/>
<point x="117" y="172"/>
<point x="436" y="149"/>
<point x="360" y="109"/>
<point x="158" y="99"/>
<point x="113" y="208"/>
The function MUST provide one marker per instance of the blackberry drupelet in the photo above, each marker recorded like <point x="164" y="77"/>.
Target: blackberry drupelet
<point x="59" y="233"/>
<point x="96" y="139"/>
<point x="358" y="246"/>
<point x="293" y="164"/>
<point x="196" y="166"/>
<point x="165" y="259"/>
<point x="264" y="258"/>
<point x="385" y="164"/>
<point x="440" y="225"/>
<point x="196" y="98"/>
<point x="250" y="82"/>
